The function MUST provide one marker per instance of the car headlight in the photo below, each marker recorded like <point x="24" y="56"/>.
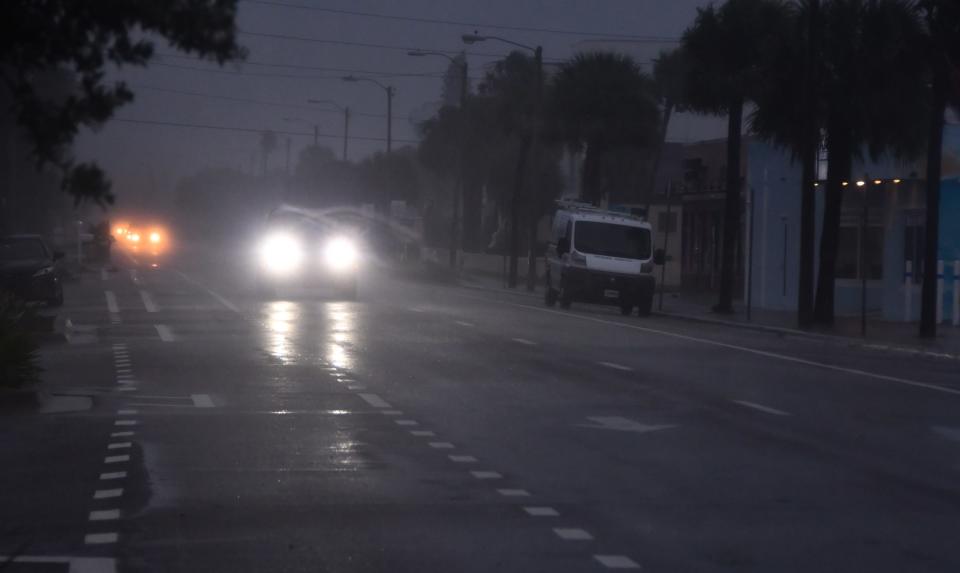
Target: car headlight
<point x="281" y="253"/>
<point x="154" y="237"/>
<point x="340" y="254"/>
<point x="43" y="272"/>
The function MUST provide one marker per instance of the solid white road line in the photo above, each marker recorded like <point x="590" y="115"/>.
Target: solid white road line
<point x="441" y="445"/>
<point x="761" y="408"/>
<point x="105" y="515"/>
<point x="215" y="295"/>
<point x="748" y="350"/>
<point x="463" y="459"/>
<point x="119" y="445"/>
<point x="121" y="434"/>
<point x="541" y="511"/>
<point x="202" y="400"/>
<point x="107" y="493"/>
<point x="572" y="534"/>
<point x="116" y="459"/>
<point x="99" y="539"/>
<point x="514" y="492"/>
<point x="113" y="475"/>
<point x="616" y="366"/>
<point x="374" y="400"/>
<point x="164" y="332"/>
<point x="617" y="562"/>
<point x="486" y="475"/>
<point x="148" y="302"/>
<point x="524" y="341"/>
<point x="111" y="302"/>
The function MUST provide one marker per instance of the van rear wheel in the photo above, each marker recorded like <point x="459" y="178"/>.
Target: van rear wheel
<point x="626" y="309"/>
<point x="646" y="304"/>
<point x="550" y="296"/>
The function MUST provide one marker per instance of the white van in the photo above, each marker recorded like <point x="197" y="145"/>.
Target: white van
<point x="602" y="257"/>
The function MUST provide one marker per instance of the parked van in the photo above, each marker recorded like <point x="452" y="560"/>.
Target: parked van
<point x="601" y="256"/>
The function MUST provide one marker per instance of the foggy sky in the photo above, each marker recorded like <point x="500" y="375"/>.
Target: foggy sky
<point x="148" y="159"/>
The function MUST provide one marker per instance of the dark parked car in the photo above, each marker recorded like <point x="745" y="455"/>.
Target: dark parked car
<point x="28" y="270"/>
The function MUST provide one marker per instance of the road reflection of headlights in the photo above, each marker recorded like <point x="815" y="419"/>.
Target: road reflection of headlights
<point x="281" y="253"/>
<point x="340" y="254"/>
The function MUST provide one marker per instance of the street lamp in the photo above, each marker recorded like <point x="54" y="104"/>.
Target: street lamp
<point x="346" y="119"/>
<point x="535" y="160"/>
<point x="316" y="126"/>
<point x="455" y="238"/>
<point x="390" y="92"/>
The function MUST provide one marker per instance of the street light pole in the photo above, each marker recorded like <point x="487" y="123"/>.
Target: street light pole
<point x="456" y="217"/>
<point x="346" y="119"/>
<point x="533" y="159"/>
<point x="391" y="91"/>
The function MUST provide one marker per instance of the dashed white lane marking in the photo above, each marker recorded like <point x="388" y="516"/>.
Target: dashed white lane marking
<point x="113" y="475"/>
<point x="422" y="433"/>
<point x="105" y="515"/>
<point x="119" y="445"/>
<point x="125" y="423"/>
<point x="617" y="562"/>
<point x="486" y="475"/>
<point x="572" y="534"/>
<point x="99" y="539"/>
<point x="202" y="400"/>
<point x="441" y="445"/>
<point x="215" y="295"/>
<point x="148" y="302"/>
<point x="127" y="412"/>
<point x="111" y="302"/>
<point x="165" y="332"/>
<point x="406" y="422"/>
<point x="616" y="366"/>
<point x="116" y="459"/>
<point x="107" y="493"/>
<point x="541" y="511"/>
<point x="103" y="274"/>
<point x="754" y="351"/>
<point x="514" y="492"/>
<point x="761" y="408"/>
<point x="524" y="341"/>
<point x="121" y="434"/>
<point x="134" y="276"/>
<point x="464" y="323"/>
<point x="391" y="412"/>
<point x="463" y="459"/>
<point x="374" y="400"/>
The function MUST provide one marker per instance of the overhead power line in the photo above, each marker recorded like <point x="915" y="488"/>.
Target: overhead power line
<point x="312" y="108"/>
<point x="495" y="55"/>
<point x="308" y="134"/>
<point x="478" y="25"/>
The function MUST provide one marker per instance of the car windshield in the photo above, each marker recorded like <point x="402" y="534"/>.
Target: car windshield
<point x="21" y="249"/>
<point x="611" y="240"/>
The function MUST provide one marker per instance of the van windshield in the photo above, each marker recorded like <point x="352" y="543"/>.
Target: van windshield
<point x="611" y="240"/>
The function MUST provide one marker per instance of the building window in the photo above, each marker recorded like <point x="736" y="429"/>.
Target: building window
<point x="665" y="223"/>
<point x="852" y="242"/>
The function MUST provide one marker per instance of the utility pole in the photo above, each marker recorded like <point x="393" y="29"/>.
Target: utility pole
<point x="809" y="155"/>
<point x="389" y="117"/>
<point x="346" y="130"/>
<point x="534" y="194"/>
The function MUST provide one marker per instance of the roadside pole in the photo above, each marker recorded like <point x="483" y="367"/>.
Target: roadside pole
<point x="666" y="244"/>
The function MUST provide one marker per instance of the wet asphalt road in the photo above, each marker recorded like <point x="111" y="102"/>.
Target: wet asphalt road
<point x="431" y="428"/>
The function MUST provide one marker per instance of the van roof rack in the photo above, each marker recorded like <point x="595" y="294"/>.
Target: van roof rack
<point x="583" y="207"/>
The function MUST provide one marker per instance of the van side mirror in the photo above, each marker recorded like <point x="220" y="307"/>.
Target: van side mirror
<point x="659" y="257"/>
<point x="57" y="255"/>
<point x="563" y="246"/>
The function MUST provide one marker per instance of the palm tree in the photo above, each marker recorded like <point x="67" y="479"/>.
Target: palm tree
<point x="726" y="51"/>
<point x="602" y="102"/>
<point x="869" y="82"/>
<point x="943" y="33"/>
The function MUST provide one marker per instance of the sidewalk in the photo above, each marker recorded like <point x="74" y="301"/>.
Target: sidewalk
<point x="486" y="271"/>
